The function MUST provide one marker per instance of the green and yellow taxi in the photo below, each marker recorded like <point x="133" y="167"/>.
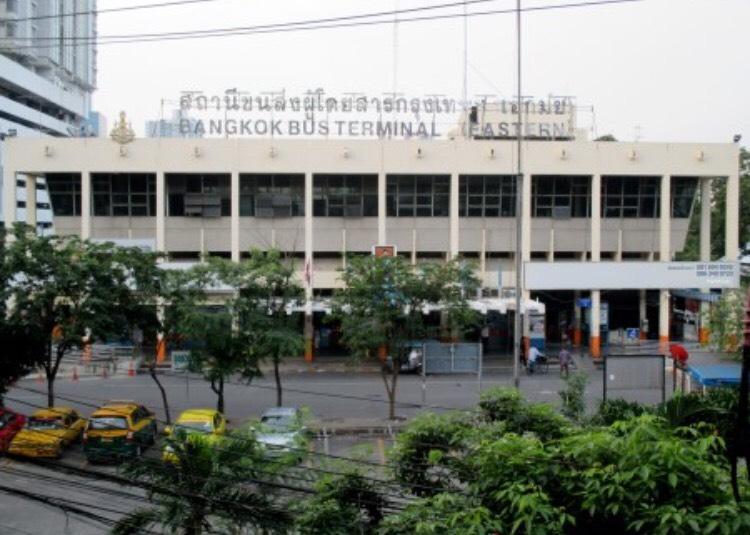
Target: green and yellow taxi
<point x="48" y="432"/>
<point x="202" y="424"/>
<point x="118" y="430"/>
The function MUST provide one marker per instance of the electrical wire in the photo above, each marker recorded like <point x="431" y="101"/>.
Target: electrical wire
<point x="113" y="10"/>
<point x="292" y="449"/>
<point x="340" y="18"/>
<point x="541" y="8"/>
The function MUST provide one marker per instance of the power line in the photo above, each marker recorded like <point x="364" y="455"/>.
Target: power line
<point x="271" y="25"/>
<point x="592" y="3"/>
<point x="113" y="10"/>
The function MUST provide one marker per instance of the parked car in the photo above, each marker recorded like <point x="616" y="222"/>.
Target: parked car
<point x="48" y="432"/>
<point x="413" y="361"/>
<point x="208" y="424"/>
<point x="280" y="430"/>
<point x="118" y="430"/>
<point x="10" y="424"/>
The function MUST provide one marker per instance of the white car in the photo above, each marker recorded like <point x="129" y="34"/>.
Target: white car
<point x="280" y="430"/>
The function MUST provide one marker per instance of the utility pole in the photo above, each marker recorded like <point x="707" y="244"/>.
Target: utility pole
<point x="518" y="324"/>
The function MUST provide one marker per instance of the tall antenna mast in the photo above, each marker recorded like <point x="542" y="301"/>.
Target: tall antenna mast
<point x="466" y="66"/>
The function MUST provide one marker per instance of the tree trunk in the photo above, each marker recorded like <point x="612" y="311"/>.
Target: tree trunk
<point x="219" y="393"/>
<point x="277" y="376"/>
<point x="152" y="372"/>
<point x="50" y="388"/>
<point x="390" y="389"/>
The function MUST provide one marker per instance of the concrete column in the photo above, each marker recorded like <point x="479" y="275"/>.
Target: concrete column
<point x="594" y="326"/>
<point x="85" y="205"/>
<point x="732" y="226"/>
<point x="413" y="247"/>
<point x="704" y="334"/>
<point x="382" y="208"/>
<point x="596" y="218"/>
<point x="551" y="247"/>
<point x="483" y="257"/>
<point x="665" y="255"/>
<point x="161" y="212"/>
<point x="596" y="253"/>
<point x="642" y="314"/>
<point x="235" y="216"/>
<point x="618" y="252"/>
<point x="31" y="201"/>
<point x="526" y="219"/>
<point x="343" y="248"/>
<point x="454" y="216"/>
<point x="9" y="199"/>
<point x="308" y="274"/>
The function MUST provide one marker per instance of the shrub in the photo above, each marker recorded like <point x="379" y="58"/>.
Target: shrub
<point x="573" y="396"/>
<point x="615" y="410"/>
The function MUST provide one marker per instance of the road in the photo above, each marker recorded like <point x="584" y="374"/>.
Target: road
<point x="331" y="398"/>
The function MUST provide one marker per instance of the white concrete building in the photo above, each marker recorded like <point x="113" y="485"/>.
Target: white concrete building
<point x="321" y="200"/>
<point x="47" y="74"/>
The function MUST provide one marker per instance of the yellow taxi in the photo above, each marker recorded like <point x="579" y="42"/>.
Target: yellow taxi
<point x="48" y="432"/>
<point x="117" y="430"/>
<point x="207" y="424"/>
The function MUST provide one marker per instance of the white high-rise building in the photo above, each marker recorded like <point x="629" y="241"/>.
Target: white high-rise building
<point x="47" y="77"/>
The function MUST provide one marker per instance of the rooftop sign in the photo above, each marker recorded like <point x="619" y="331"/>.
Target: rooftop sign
<point x="235" y="113"/>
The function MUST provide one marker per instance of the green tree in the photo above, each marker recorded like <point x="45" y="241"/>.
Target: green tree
<point x="209" y="488"/>
<point x="573" y="396"/>
<point x="266" y="289"/>
<point x="725" y="320"/>
<point x="382" y="305"/>
<point x="73" y="291"/>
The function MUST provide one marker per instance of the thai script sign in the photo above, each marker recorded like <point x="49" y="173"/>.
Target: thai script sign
<point x="316" y="114"/>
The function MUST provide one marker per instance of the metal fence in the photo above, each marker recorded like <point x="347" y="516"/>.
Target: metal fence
<point x="440" y="358"/>
<point x="640" y="378"/>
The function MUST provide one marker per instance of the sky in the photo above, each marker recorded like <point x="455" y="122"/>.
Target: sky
<point x="654" y="70"/>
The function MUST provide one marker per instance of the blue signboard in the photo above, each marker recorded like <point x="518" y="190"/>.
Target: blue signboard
<point x="583" y="302"/>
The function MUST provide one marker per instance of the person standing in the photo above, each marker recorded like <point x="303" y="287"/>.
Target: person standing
<point x="534" y="355"/>
<point x="565" y="358"/>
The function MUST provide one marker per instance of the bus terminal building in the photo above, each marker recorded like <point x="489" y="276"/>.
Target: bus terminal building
<point x="606" y="206"/>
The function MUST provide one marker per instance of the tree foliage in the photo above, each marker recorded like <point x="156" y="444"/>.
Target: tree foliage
<point x="208" y="488"/>
<point x="383" y="303"/>
<point x="73" y="291"/>
<point x="512" y="468"/>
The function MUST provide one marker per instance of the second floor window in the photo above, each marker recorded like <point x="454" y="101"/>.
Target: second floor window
<point x="65" y="193"/>
<point x="345" y="195"/>
<point x="418" y="195"/>
<point x="487" y="195"/>
<point x="272" y="195"/>
<point x="124" y="194"/>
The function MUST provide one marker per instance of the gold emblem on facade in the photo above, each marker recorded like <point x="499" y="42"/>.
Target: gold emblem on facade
<point x="123" y="132"/>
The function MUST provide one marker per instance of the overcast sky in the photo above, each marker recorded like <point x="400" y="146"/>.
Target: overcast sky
<point x="663" y="70"/>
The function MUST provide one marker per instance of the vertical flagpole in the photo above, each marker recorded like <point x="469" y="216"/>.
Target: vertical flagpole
<point x="518" y="324"/>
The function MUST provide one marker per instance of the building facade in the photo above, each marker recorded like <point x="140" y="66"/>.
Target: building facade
<point x="323" y="200"/>
<point x="47" y="76"/>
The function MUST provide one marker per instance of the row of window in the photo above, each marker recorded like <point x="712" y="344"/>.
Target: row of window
<point x="355" y="195"/>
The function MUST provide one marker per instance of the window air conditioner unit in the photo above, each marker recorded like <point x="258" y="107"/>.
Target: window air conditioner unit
<point x="353" y="210"/>
<point x="282" y="205"/>
<point x="202" y="205"/>
<point x="561" y="212"/>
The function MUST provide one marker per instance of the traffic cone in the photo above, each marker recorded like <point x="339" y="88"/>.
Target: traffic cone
<point x="74" y="377"/>
<point x="131" y="369"/>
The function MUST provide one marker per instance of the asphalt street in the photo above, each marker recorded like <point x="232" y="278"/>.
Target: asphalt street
<point x="330" y="397"/>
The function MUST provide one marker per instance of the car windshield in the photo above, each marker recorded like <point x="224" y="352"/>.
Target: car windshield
<point x="193" y="427"/>
<point x="108" y="422"/>
<point x="44" y="423"/>
<point x="5" y="418"/>
<point x="282" y="423"/>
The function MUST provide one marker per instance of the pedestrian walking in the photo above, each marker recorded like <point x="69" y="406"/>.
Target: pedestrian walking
<point x="565" y="358"/>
